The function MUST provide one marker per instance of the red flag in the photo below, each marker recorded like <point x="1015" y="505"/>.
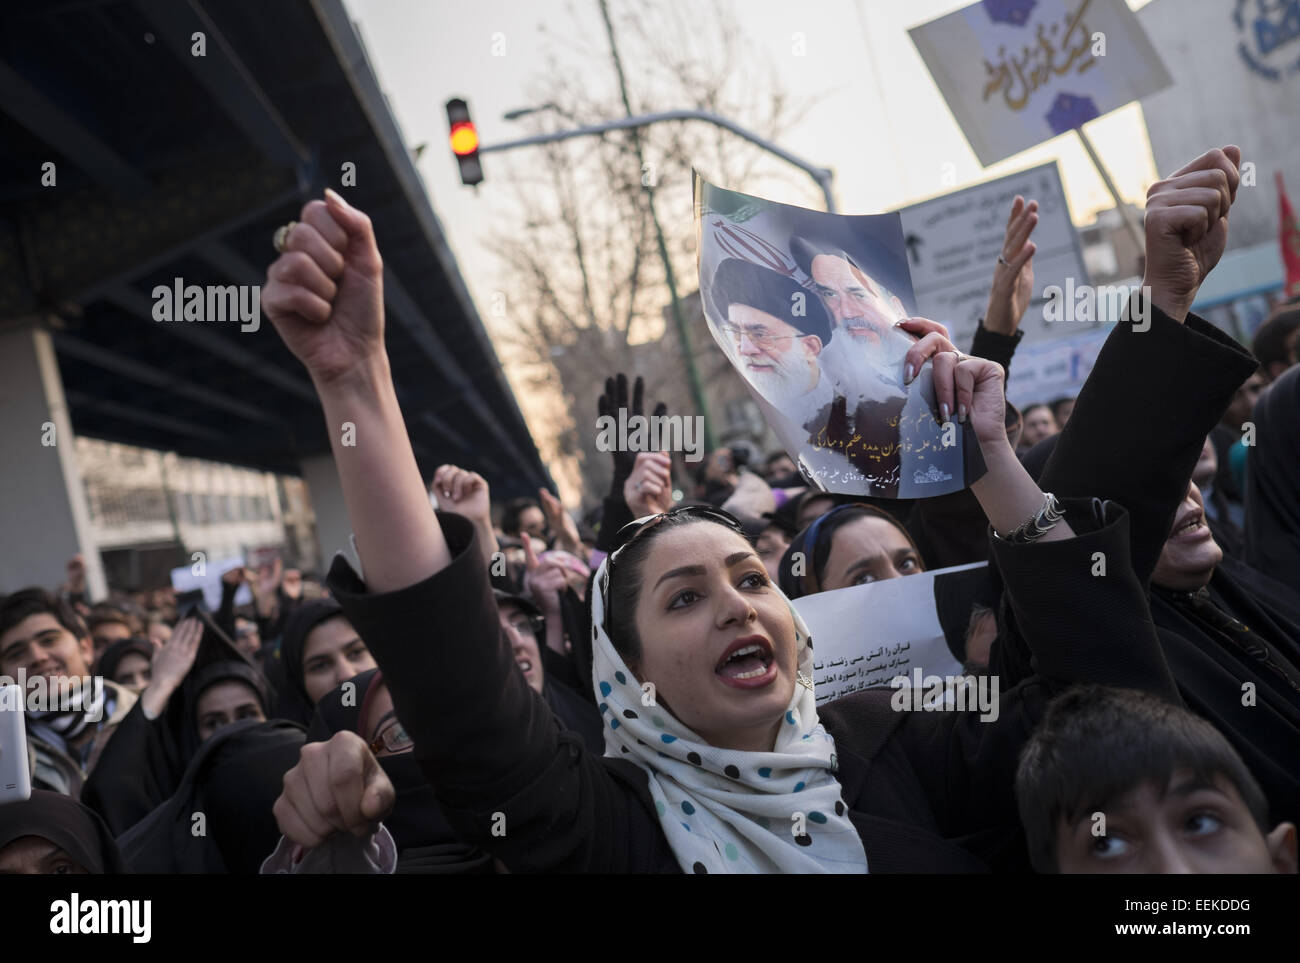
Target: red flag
<point x="1290" y="238"/>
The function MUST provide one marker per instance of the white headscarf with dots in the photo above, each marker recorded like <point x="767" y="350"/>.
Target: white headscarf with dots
<point x="724" y="810"/>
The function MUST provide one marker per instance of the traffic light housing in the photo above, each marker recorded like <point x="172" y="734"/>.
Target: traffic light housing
<point x="464" y="141"/>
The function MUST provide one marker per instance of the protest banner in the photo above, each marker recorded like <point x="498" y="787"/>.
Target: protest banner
<point x="866" y="636"/>
<point x="1018" y="72"/>
<point x="208" y="580"/>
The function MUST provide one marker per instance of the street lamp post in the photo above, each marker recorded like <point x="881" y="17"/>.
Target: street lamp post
<point x="821" y="175"/>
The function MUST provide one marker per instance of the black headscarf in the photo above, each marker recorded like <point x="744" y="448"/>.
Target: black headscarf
<point x="233" y="781"/>
<point x="814" y="537"/>
<point x="74" y="828"/>
<point x="425" y="842"/>
<point x="112" y="656"/>
<point x="285" y="666"/>
<point x="1273" y="483"/>
<point x="142" y="765"/>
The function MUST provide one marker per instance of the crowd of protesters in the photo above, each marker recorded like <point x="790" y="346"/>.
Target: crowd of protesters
<point x="505" y="688"/>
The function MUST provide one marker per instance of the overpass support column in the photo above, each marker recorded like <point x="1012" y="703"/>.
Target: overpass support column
<point x="44" y="519"/>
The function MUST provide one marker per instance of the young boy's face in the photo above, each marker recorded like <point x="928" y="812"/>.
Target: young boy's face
<point x="1188" y="827"/>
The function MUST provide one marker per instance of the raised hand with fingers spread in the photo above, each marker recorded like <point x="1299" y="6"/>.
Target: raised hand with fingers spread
<point x="610" y="403"/>
<point x="171" y="664"/>
<point x="544" y="581"/>
<point x="1013" y="276"/>
<point x="561" y="523"/>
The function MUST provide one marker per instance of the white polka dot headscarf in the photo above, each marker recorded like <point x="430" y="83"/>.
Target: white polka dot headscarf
<point x="724" y="810"/>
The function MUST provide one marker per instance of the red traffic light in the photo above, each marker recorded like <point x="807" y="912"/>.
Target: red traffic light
<point x="464" y="141"/>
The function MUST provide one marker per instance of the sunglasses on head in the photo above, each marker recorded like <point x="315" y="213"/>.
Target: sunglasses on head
<point x="633" y="530"/>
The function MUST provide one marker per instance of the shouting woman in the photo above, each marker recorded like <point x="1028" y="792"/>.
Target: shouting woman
<point x="717" y="758"/>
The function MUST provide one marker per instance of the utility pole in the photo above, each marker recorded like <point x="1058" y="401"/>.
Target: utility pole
<point x="692" y="374"/>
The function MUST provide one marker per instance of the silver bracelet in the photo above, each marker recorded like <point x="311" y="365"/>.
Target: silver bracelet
<point x="1038" y="524"/>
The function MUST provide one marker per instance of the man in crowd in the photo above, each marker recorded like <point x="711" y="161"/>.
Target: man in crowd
<point x="1275" y="341"/>
<point x="1037" y="423"/>
<point x="107" y="625"/>
<point x="40" y="635"/>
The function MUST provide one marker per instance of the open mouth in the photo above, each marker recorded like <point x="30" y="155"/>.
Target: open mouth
<point x="525" y="664"/>
<point x="746" y="660"/>
<point x="1188" y="525"/>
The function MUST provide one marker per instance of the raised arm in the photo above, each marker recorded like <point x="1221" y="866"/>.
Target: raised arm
<point x="1164" y="376"/>
<point x="484" y="739"/>
<point x="973" y="389"/>
<point x="999" y="332"/>
<point x="324" y="295"/>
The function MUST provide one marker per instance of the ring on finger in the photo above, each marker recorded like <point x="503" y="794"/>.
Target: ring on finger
<point x="1003" y="260"/>
<point x="281" y="239"/>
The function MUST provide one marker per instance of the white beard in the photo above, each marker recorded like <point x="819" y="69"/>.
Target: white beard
<point x="787" y="388"/>
<point x="863" y="370"/>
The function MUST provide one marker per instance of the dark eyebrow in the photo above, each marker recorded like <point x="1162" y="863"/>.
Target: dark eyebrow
<point x="864" y="563"/>
<point x="684" y="570"/>
<point x="730" y="561"/>
<point x="1194" y="784"/>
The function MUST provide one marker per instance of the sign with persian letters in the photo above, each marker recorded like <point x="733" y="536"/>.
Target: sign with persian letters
<point x="953" y="242"/>
<point x="868" y="636"/>
<point x="1018" y="72"/>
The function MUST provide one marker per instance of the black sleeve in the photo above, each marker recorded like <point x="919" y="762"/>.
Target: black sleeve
<point x="138" y="770"/>
<point x="486" y="742"/>
<point x="225" y="617"/>
<point x="615" y="515"/>
<point x="995" y="347"/>
<point x="1141" y="418"/>
<point x="1081" y="628"/>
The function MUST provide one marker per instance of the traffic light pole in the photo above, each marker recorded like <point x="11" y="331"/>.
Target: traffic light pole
<point x="819" y="174"/>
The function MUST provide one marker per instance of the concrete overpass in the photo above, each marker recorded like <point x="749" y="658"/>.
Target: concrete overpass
<point x="134" y="155"/>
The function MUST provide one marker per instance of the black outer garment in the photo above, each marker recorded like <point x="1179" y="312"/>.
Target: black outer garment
<point x="1273" y="480"/>
<point x="425" y="843"/>
<point x="233" y="780"/>
<point x="919" y="785"/>
<point x="1135" y="436"/>
<point x="144" y="762"/>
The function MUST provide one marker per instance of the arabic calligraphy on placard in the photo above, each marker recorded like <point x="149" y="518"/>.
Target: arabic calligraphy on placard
<point x="867" y="671"/>
<point x="1061" y="49"/>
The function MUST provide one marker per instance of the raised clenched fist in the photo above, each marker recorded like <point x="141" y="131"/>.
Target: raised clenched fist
<point x="325" y="293"/>
<point x="1187" y="228"/>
